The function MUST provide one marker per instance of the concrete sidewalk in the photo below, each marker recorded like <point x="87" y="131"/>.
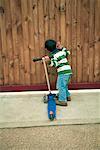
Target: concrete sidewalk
<point x="25" y="109"/>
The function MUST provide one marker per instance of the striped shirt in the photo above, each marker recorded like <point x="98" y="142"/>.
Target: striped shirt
<point x="59" y="60"/>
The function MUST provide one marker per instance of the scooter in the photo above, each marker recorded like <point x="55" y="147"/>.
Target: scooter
<point x="50" y="98"/>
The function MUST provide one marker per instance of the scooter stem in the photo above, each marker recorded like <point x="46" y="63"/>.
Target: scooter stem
<point x="46" y="73"/>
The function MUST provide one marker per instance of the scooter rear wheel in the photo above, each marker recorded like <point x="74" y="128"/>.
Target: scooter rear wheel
<point x="51" y="117"/>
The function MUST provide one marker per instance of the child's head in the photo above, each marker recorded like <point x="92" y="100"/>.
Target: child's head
<point x="50" y="45"/>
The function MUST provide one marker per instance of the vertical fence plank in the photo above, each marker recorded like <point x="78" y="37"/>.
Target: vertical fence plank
<point x="26" y="40"/>
<point x="4" y="44"/>
<point x="69" y="27"/>
<point x="20" y="43"/>
<point x="46" y="19"/>
<point x="41" y="37"/>
<point x="86" y="40"/>
<point x="57" y="20"/>
<point x="31" y="41"/>
<point x="79" y="50"/>
<point x="52" y="35"/>
<point x="9" y="42"/>
<point x="1" y="61"/>
<point x="74" y="29"/>
<point x="15" y="40"/>
<point x="41" y="27"/>
<point x="82" y="34"/>
<point x="97" y="42"/>
<point x="91" y="41"/>
<point x="21" y="53"/>
<point x="36" y="39"/>
<point x="62" y="20"/>
<point x="51" y="19"/>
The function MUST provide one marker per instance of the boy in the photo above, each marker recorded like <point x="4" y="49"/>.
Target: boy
<point x="58" y="57"/>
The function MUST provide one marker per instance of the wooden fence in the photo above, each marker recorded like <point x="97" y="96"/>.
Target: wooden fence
<point x="26" y="24"/>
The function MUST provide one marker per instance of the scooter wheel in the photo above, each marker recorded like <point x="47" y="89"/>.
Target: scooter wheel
<point x="45" y="99"/>
<point x="51" y="117"/>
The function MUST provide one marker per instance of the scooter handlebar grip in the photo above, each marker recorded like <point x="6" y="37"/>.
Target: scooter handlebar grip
<point x="36" y="59"/>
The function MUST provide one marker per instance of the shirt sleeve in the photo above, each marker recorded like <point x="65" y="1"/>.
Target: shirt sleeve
<point x="66" y="51"/>
<point x="54" y="62"/>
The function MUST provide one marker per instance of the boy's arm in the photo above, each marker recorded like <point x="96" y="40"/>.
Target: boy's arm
<point x="51" y="61"/>
<point x="66" y="51"/>
<point x="54" y="62"/>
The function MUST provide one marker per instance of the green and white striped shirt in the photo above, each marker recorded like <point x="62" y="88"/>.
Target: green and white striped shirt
<point x="59" y="60"/>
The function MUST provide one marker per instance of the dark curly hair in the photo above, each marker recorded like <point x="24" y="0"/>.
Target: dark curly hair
<point x="50" y="45"/>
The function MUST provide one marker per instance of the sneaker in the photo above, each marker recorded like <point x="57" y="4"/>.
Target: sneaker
<point x="69" y="98"/>
<point x="61" y="103"/>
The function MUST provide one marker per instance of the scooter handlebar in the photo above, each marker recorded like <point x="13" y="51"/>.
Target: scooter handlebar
<point x="36" y="59"/>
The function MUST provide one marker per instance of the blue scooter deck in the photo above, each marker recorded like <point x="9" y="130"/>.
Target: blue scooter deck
<point x="51" y="106"/>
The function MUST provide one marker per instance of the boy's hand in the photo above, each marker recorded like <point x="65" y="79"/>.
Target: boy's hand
<point x="46" y="58"/>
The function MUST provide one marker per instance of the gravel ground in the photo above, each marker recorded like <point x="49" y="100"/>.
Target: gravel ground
<point x="69" y="137"/>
